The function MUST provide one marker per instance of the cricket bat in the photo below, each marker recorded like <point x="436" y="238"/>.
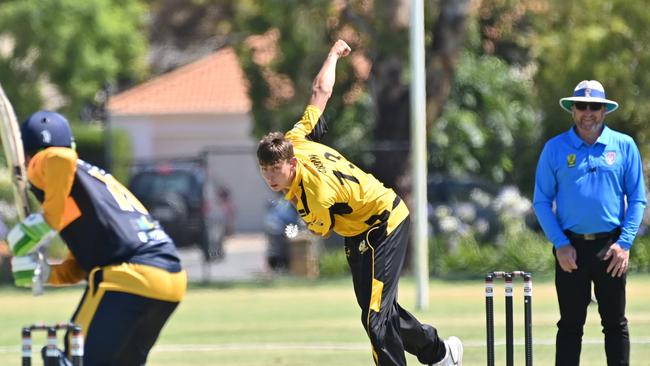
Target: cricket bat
<point x="12" y="144"/>
<point x="13" y="149"/>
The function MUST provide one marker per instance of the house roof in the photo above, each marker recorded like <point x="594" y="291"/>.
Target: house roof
<point x="213" y="84"/>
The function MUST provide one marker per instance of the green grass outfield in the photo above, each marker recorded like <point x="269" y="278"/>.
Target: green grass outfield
<point x="304" y="323"/>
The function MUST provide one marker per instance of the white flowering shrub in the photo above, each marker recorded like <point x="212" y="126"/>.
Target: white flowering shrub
<point x="486" y="217"/>
<point x="487" y="232"/>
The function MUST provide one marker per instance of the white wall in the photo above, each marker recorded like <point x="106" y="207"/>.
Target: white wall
<point x="240" y="174"/>
<point x="140" y="130"/>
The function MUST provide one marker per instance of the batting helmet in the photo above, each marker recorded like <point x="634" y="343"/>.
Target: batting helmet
<point x="44" y="129"/>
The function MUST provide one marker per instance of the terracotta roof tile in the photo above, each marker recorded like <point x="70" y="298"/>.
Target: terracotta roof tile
<point x="213" y="84"/>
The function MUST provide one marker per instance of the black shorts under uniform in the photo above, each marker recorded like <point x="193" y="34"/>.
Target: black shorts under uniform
<point x="376" y="261"/>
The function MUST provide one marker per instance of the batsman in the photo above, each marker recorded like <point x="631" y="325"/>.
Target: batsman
<point x="332" y="194"/>
<point x="134" y="276"/>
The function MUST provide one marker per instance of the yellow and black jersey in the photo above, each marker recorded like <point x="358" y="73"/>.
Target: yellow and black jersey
<point x="101" y="222"/>
<point x="333" y="194"/>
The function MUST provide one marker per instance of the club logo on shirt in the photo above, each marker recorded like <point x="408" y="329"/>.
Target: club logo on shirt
<point x="571" y="160"/>
<point x="363" y="247"/>
<point x="610" y="157"/>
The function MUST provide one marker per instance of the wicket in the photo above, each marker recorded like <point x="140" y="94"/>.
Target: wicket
<point x="489" y="309"/>
<point x="76" y="343"/>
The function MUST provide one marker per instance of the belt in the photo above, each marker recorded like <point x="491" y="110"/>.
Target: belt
<point x="594" y="236"/>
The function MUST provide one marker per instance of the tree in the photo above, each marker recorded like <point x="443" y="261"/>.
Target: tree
<point x="604" y="40"/>
<point x="182" y="31"/>
<point x="58" y="54"/>
<point x="374" y="103"/>
<point x="487" y="120"/>
<point x="282" y="44"/>
<point x="487" y="127"/>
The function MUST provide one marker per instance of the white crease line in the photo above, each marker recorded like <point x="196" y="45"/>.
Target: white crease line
<point x="315" y="346"/>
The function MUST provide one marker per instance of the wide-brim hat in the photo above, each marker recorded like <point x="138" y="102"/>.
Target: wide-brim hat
<point x="588" y="91"/>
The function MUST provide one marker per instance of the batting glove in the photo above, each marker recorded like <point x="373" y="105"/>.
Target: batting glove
<point x="27" y="236"/>
<point x="26" y="268"/>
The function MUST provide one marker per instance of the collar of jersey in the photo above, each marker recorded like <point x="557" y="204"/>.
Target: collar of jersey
<point x="296" y="182"/>
<point x="576" y="141"/>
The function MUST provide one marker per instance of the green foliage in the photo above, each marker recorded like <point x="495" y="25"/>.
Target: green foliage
<point x="528" y="251"/>
<point x="489" y="116"/>
<point x="121" y="155"/>
<point x="595" y="39"/>
<point x="6" y="186"/>
<point x="91" y="145"/>
<point x="333" y="263"/>
<point x="525" y="250"/>
<point x="62" y="52"/>
<point x="8" y="213"/>
<point x="640" y="255"/>
<point x="468" y="259"/>
<point x="503" y="29"/>
<point x="488" y="126"/>
<point x="303" y="32"/>
<point x="303" y="41"/>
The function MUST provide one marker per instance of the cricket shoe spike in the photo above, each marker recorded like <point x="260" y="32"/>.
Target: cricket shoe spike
<point x="454" y="355"/>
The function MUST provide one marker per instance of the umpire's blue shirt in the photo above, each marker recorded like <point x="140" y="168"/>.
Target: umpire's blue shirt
<point x="590" y="184"/>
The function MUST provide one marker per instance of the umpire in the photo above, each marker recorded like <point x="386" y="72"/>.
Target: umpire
<point x="594" y="176"/>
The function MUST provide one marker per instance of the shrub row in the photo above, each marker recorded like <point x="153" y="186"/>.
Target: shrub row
<point x="526" y="250"/>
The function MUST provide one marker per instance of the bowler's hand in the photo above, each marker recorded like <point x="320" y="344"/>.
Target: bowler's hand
<point x="566" y="257"/>
<point x="340" y="49"/>
<point x="619" y="260"/>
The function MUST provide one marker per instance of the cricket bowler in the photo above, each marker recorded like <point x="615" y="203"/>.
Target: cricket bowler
<point x="332" y="194"/>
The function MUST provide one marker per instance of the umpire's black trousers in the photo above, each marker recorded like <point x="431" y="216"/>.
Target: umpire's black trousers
<point x="574" y="295"/>
<point x="376" y="261"/>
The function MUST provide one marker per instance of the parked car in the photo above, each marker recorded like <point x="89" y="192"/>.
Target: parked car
<point x="181" y="197"/>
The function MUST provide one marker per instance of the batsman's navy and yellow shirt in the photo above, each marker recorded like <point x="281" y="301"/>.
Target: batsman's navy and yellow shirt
<point x="333" y="194"/>
<point x="104" y="226"/>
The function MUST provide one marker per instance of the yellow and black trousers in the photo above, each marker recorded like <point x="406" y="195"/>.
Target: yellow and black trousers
<point x="123" y="311"/>
<point x="376" y="259"/>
